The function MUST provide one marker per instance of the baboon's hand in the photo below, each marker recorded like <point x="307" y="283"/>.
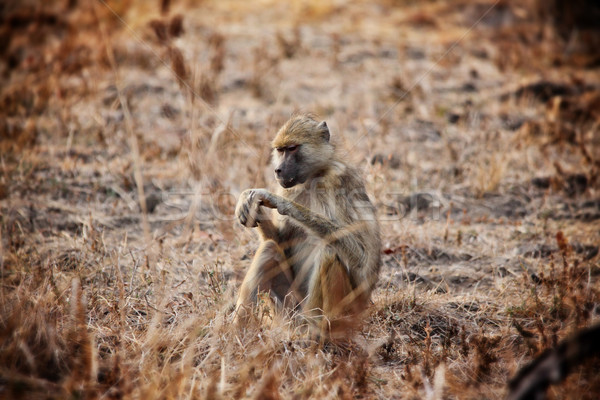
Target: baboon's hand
<point x="248" y="210"/>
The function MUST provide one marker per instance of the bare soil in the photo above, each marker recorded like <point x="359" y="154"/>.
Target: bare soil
<point x="128" y="129"/>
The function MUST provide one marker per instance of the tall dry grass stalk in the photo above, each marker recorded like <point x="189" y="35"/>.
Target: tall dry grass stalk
<point x="106" y="293"/>
<point x="133" y="140"/>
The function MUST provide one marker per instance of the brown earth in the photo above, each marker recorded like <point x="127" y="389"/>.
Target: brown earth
<point x="128" y="129"/>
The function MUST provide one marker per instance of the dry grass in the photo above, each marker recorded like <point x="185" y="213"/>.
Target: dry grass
<point x="123" y="149"/>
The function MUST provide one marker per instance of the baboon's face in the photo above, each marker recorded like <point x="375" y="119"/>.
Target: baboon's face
<point x="290" y="167"/>
<point x="301" y="151"/>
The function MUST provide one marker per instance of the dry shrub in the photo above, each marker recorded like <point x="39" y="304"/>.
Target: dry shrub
<point x="45" y="346"/>
<point x="569" y="125"/>
<point x="560" y="301"/>
<point x="489" y="174"/>
<point x="176" y="26"/>
<point x="165" y="6"/>
<point x="160" y="30"/>
<point x="151" y="316"/>
<point x="262" y="65"/>
<point x="191" y="84"/>
<point x="574" y="22"/>
<point x="556" y="302"/>
<point x="43" y="44"/>
<point x="207" y="90"/>
<point x="289" y="47"/>
<point x="217" y="60"/>
<point x="179" y="67"/>
<point x="544" y="33"/>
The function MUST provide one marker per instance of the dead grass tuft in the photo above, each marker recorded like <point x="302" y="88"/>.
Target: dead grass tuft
<point x="176" y="26"/>
<point x="121" y="161"/>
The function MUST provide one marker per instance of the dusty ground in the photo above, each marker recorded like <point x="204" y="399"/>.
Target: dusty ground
<point x="126" y="140"/>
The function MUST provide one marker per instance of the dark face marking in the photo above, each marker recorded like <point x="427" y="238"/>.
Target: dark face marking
<point x="291" y="170"/>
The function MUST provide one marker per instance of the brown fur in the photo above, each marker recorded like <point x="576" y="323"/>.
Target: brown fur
<point x="321" y="251"/>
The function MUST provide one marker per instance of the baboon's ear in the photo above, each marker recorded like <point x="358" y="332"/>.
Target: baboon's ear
<point x="324" y="130"/>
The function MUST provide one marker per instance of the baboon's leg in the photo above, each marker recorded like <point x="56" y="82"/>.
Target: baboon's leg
<point x="269" y="272"/>
<point x="331" y="297"/>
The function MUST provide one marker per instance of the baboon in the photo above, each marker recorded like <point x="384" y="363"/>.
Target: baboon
<point x="320" y="253"/>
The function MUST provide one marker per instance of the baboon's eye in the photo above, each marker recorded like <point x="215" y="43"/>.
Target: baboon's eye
<point x="293" y="148"/>
<point x="281" y="150"/>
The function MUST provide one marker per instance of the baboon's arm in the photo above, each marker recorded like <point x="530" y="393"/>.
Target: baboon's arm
<point x="251" y="214"/>
<point x="267" y="230"/>
<point x="344" y="238"/>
